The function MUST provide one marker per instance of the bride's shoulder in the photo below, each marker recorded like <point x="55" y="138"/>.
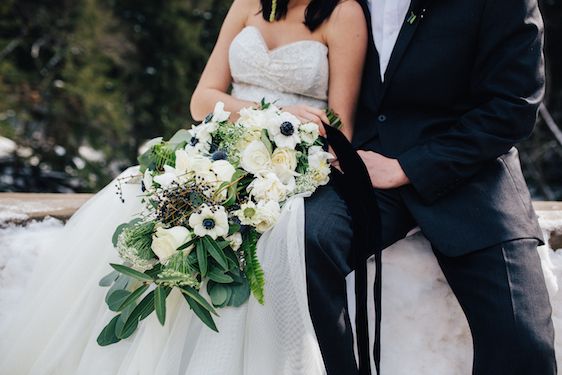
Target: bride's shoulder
<point x="347" y="17"/>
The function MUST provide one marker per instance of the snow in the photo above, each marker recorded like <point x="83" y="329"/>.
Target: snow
<point x="424" y="329"/>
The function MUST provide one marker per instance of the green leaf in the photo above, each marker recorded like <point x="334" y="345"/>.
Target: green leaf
<point x="160" y="296"/>
<point x="117" y="233"/>
<point x="216" y="252"/>
<point x="201" y="312"/>
<point x="121" y="322"/>
<point x="219" y="294"/>
<point x="108" y="279"/>
<point x="202" y="258"/>
<point x="107" y="336"/>
<point x="265" y="139"/>
<point x="194" y="295"/>
<point x="120" y="283"/>
<point x="133" y="297"/>
<point x="141" y="311"/>
<point x="186" y="245"/>
<point x="254" y="271"/>
<point x="116" y="299"/>
<point x="219" y="277"/>
<point x="182" y="136"/>
<point x="233" y="228"/>
<point x="131" y="272"/>
<point x="240" y="292"/>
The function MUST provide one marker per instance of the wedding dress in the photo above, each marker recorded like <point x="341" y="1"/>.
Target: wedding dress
<point x="63" y="311"/>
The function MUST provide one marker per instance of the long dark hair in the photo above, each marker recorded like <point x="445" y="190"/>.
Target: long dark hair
<point x="316" y="12"/>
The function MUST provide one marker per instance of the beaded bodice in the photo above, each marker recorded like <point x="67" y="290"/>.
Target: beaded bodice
<point x="294" y="73"/>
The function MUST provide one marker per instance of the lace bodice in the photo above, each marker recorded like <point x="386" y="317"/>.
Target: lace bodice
<point x="295" y="73"/>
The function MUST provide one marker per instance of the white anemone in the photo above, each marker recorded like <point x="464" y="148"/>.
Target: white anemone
<point x="209" y="221"/>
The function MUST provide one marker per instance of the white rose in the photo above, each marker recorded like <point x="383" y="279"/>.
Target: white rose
<point x="252" y="119"/>
<point x="209" y="221"/>
<point x="267" y="214"/>
<point x="235" y="241"/>
<point x="268" y="187"/>
<point x="224" y="170"/>
<point x="165" y="242"/>
<point x="255" y="158"/>
<point x="309" y="132"/>
<point x="182" y="161"/>
<point x="284" y="162"/>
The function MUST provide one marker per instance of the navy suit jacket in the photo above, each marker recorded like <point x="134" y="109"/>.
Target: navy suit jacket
<point x="462" y="87"/>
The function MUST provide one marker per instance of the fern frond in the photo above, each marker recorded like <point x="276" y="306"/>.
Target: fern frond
<point x="253" y="270"/>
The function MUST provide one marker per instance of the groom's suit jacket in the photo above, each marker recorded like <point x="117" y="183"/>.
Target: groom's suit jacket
<point x="462" y="87"/>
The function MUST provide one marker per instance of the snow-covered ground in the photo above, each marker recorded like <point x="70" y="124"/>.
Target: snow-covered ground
<point x="424" y="330"/>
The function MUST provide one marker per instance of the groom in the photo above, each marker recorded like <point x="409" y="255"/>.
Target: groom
<point x="449" y="88"/>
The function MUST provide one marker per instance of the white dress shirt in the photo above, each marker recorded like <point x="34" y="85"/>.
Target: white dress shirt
<point x="387" y="18"/>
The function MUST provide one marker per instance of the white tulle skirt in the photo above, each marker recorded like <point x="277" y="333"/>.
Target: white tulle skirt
<point x="55" y="328"/>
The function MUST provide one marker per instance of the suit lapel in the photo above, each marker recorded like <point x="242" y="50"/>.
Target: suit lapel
<point x="371" y="75"/>
<point x="409" y="27"/>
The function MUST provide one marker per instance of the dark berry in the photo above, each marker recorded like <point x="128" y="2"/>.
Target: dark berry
<point x="208" y="224"/>
<point x="287" y="129"/>
<point x="219" y="155"/>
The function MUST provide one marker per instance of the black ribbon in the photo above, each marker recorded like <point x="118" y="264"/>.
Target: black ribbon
<point x="357" y="191"/>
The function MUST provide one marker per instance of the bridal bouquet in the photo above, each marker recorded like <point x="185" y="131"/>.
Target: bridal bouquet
<point x="210" y="192"/>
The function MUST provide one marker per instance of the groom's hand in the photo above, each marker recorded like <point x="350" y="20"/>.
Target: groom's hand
<point x="385" y="173"/>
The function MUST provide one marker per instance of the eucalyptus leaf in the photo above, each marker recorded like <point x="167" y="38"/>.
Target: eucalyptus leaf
<point x="118" y="232"/>
<point x="116" y="299"/>
<point x="107" y="336"/>
<point x="120" y="283"/>
<point x="219" y="294"/>
<point x="131" y="272"/>
<point x="132" y="298"/>
<point x="108" y="279"/>
<point x="240" y="293"/>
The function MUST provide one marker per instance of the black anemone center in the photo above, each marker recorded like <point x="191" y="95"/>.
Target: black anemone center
<point x="219" y="155"/>
<point x="193" y="141"/>
<point x="287" y="129"/>
<point x="208" y="224"/>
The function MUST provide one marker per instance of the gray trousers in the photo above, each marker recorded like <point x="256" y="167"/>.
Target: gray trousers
<point x="501" y="290"/>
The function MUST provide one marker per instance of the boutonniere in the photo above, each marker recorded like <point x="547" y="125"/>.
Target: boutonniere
<point x="414" y="16"/>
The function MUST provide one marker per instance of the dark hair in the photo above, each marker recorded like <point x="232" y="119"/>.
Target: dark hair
<point x="316" y="12"/>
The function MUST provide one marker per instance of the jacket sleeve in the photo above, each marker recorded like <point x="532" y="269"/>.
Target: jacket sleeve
<point x="507" y="82"/>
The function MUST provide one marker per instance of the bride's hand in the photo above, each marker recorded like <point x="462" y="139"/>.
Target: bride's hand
<point x="306" y="113"/>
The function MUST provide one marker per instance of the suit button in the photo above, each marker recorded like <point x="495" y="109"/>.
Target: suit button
<point x="381" y="118"/>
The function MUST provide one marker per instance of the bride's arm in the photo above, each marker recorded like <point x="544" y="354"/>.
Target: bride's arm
<point x="346" y="36"/>
<point x="216" y="77"/>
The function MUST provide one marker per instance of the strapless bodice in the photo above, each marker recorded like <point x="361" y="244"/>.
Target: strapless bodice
<point x="295" y="73"/>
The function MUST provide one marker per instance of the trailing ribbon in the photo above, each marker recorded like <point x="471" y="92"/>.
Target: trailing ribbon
<point x="357" y="191"/>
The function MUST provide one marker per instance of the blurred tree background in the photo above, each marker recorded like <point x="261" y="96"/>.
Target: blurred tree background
<point x="83" y="83"/>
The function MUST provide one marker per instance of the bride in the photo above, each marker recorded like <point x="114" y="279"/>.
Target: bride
<point x="305" y="55"/>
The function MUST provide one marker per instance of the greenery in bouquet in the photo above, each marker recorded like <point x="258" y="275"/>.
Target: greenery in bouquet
<point x="210" y="192"/>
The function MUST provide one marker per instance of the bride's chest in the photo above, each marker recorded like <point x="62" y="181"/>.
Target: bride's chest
<point x="300" y="67"/>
